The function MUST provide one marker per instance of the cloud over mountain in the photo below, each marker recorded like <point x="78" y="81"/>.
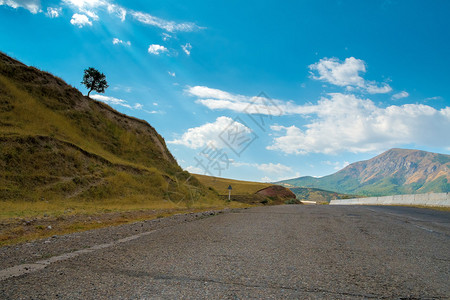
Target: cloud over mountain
<point x="348" y="123"/>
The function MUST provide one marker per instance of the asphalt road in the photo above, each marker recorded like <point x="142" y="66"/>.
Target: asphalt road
<point x="292" y="251"/>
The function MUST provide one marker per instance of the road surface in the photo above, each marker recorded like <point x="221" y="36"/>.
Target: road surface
<point x="291" y="251"/>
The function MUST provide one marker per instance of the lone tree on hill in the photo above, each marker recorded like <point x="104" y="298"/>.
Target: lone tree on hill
<point x="94" y="81"/>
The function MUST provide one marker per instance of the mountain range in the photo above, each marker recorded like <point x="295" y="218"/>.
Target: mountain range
<point x="396" y="171"/>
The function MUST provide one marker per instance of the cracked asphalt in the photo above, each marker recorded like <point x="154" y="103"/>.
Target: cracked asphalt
<point x="278" y="252"/>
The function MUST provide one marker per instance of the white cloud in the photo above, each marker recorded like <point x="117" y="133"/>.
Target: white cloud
<point x="116" y="101"/>
<point x="337" y="73"/>
<point x="195" y="170"/>
<point x="123" y="88"/>
<point x="111" y="100"/>
<point x="187" y="48"/>
<point x="220" y="100"/>
<point x="33" y="6"/>
<point x="433" y="98"/>
<point x="153" y="111"/>
<point x="270" y="167"/>
<point x="346" y="74"/>
<point x="169" y="26"/>
<point x="209" y="134"/>
<point x="117" y="10"/>
<point x="172" y="74"/>
<point x="84" y="4"/>
<point x="266" y="179"/>
<point x="88" y="8"/>
<point x="85" y="11"/>
<point x="90" y="14"/>
<point x="166" y="36"/>
<point x="400" y="95"/>
<point x="373" y="88"/>
<point x="338" y="123"/>
<point x="206" y="92"/>
<point x="274" y="168"/>
<point x="336" y="165"/>
<point x="271" y="178"/>
<point x="347" y="123"/>
<point x="289" y="143"/>
<point x="117" y="41"/>
<point x="156" y="49"/>
<point x="53" y="12"/>
<point x="272" y="172"/>
<point x="80" y="20"/>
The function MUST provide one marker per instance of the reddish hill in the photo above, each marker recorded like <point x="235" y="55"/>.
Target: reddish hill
<point x="277" y="192"/>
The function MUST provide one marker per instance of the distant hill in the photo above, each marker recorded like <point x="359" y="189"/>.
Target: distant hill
<point x="56" y="144"/>
<point x="318" y="195"/>
<point x="396" y="171"/>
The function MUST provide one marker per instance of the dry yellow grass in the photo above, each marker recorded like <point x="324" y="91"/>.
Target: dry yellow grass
<point x="239" y="187"/>
<point x="441" y="208"/>
<point x="26" y="221"/>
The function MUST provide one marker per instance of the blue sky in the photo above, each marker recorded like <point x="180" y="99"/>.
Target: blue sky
<point x="255" y="90"/>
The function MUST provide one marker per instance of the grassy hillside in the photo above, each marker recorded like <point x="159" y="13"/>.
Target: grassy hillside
<point x="56" y="144"/>
<point x="61" y="152"/>
<point x="239" y="187"/>
<point x="36" y="103"/>
<point x="397" y="171"/>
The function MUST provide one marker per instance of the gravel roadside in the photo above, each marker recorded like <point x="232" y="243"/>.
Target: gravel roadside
<point x="59" y="244"/>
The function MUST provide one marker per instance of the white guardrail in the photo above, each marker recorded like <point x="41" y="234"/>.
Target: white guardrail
<point x="430" y="199"/>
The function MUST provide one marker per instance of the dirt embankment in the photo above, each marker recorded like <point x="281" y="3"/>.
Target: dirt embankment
<point x="274" y="194"/>
<point x="277" y="191"/>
